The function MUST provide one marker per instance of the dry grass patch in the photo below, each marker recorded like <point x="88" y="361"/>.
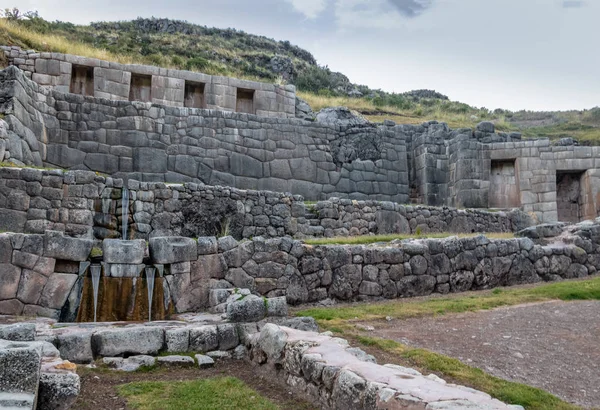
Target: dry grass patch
<point x="369" y="239"/>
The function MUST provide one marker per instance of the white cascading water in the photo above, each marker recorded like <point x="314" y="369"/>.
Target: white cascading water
<point x="150" y="275"/>
<point x="95" y="270"/>
<point x="124" y="212"/>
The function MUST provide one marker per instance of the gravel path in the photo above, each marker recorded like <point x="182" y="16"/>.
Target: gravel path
<point x="554" y="345"/>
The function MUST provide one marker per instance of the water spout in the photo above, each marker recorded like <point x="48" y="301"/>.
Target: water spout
<point x="95" y="270"/>
<point x="150" y="274"/>
<point x="124" y="211"/>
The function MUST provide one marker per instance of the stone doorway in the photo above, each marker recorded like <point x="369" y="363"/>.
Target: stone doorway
<point x="245" y="101"/>
<point x="82" y="80"/>
<point x="573" y="196"/>
<point x="504" y="185"/>
<point x="194" y="95"/>
<point x="141" y="88"/>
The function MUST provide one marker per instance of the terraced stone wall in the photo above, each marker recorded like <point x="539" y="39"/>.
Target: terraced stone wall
<point x="153" y="143"/>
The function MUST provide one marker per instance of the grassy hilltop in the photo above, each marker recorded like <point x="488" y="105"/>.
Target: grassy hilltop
<point x="178" y="44"/>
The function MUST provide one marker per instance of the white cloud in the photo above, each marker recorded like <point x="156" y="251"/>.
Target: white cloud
<point x="352" y="14"/>
<point x="310" y="8"/>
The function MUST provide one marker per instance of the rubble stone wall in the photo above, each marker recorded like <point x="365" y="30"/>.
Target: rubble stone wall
<point x="84" y="204"/>
<point x="40" y="272"/>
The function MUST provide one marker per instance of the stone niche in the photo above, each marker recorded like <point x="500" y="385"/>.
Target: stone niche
<point x="245" y="101"/>
<point x="504" y="185"/>
<point x="82" y="80"/>
<point x="141" y="88"/>
<point x="194" y="95"/>
<point x="573" y="196"/>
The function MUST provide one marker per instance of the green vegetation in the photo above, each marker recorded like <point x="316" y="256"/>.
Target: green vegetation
<point x="216" y="393"/>
<point x="368" y="239"/>
<point x="96" y="252"/>
<point x="401" y="309"/>
<point x="509" y="392"/>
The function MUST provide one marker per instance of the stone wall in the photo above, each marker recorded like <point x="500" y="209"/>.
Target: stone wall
<point x="338" y="155"/>
<point x="304" y="273"/>
<point x="332" y="375"/>
<point x="41" y="273"/>
<point x="154" y="143"/>
<point x="84" y="204"/>
<point x="113" y="81"/>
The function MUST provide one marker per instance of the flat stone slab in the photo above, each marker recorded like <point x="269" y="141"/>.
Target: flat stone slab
<point x="176" y="360"/>
<point x="204" y="361"/>
<point x="126" y="252"/>
<point x="130" y="364"/>
<point x="219" y="354"/>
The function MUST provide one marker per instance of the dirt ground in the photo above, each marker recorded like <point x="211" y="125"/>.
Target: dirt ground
<point x="98" y="388"/>
<point x="554" y="345"/>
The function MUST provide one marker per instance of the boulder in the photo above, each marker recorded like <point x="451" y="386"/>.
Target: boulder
<point x="178" y="340"/>
<point x="130" y="364"/>
<point x="277" y="306"/>
<point x="204" y="339"/>
<point x="173" y="249"/>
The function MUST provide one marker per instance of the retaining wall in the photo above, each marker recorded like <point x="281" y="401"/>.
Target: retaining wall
<point x="84" y="204"/>
<point x="154" y="143"/>
<point x="40" y="272"/>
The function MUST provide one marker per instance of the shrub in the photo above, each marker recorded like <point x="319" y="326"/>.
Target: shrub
<point x="197" y="63"/>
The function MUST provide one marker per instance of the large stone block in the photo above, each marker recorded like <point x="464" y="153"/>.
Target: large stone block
<point x="149" y="160"/>
<point x="10" y="276"/>
<point x="58" y="391"/>
<point x="173" y="249"/>
<point x="19" y="332"/>
<point x="128" y="341"/>
<point x="76" y="347"/>
<point x="119" y="251"/>
<point x="19" y="368"/>
<point x="59" y="246"/>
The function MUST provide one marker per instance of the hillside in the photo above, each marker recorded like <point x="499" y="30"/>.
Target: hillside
<point x="231" y="52"/>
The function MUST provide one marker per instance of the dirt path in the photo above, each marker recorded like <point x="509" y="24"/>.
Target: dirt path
<point x="554" y="345"/>
<point x="99" y="388"/>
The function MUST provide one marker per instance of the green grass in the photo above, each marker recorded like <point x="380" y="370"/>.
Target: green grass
<point x="509" y="392"/>
<point x="216" y="393"/>
<point x="569" y="290"/>
<point x="368" y="239"/>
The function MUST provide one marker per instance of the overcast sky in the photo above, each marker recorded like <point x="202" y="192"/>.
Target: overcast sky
<point x="516" y="54"/>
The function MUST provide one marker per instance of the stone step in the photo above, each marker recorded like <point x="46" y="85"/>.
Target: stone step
<point x="20" y="401"/>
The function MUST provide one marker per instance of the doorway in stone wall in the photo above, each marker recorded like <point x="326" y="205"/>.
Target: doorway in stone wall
<point x="140" y="88"/>
<point x="573" y="196"/>
<point x="504" y="185"/>
<point x="82" y="80"/>
<point x="245" y="101"/>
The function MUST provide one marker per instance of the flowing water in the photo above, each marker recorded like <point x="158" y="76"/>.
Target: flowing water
<point x="96" y="270"/>
<point x="150" y="275"/>
<point x="124" y="212"/>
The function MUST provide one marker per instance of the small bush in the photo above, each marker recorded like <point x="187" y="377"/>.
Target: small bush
<point x="197" y="63"/>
